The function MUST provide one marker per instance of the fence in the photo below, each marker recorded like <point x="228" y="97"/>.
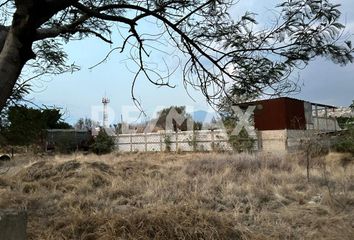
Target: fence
<point x="208" y="140"/>
<point x="203" y="140"/>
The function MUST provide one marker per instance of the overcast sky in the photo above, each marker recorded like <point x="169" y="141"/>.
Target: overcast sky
<point x="80" y="92"/>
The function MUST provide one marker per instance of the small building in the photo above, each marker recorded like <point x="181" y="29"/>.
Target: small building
<point x="66" y="140"/>
<point x="281" y="123"/>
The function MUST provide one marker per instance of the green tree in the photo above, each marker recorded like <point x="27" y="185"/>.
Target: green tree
<point x="233" y="97"/>
<point x="345" y="141"/>
<point x="25" y="124"/>
<point x="85" y="124"/>
<point x="241" y="142"/>
<point x="103" y="143"/>
<point x="220" y="50"/>
<point x="162" y="119"/>
<point x="347" y="121"/>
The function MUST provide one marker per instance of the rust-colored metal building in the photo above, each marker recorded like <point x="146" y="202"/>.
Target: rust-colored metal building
<point x="286" y="113"/>
<point x="282" y="123"/>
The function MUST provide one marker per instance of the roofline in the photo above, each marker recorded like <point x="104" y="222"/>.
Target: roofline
<point x="323" y="105"/>
<point x="65" y="130"/>
<point x="264" y="100"/>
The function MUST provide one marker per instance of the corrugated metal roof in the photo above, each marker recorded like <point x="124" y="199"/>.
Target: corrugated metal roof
<point x="289" y="98"/>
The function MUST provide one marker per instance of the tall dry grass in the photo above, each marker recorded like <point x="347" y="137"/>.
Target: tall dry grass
<point x="182" y="196"/>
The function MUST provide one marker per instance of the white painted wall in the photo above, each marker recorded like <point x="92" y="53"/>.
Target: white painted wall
<point x="273" y="141"/>
<point x="180" y="141"/>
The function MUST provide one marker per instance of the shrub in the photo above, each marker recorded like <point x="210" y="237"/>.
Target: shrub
<point x="345" y="142"/>
<point x="103" y="143"/>
<point x="242" y="142"/>
<point x="168" y="143"/>
<point x="192" y="141"/>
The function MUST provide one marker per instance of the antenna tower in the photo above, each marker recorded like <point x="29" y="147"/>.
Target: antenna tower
<point x="105" y="102"/>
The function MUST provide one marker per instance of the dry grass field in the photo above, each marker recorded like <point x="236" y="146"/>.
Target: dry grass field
<point x="181" y="196"/>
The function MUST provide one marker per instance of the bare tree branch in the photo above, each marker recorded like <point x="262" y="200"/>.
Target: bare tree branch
<point x="56" y="31"/>
<point x="218" y="52"/>
<point x="96" y="13"/>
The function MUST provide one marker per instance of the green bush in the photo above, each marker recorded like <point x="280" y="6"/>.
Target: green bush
<point x="242" y="142"/>
<point x="345" y="142"/>
<point x="103" y="143"/>
<point x="192" y="141"/>
<point x="168" y="143"/>
<point x="345" y="122"/>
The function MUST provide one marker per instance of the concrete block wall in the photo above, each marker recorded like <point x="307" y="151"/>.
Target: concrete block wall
<point x="13" y="225"/>
<point x="268" y="141"/>
<point x="324" y="124"/>
<point x="295" y="138"/>
<point x="273" y="140"/>
<point x="286" y="140"/>
<point x="181" y="141"/>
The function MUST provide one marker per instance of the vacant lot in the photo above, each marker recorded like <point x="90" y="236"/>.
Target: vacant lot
<point x="182" y="196"/>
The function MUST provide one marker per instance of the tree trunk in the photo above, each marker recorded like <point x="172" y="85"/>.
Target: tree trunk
<point x="16" y="50"/>
<point x="11" y="64"/>
<point x="16" y="44"/>
<point x="308" y="157"/>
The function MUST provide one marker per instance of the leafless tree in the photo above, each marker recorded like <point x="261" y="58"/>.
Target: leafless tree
<point x="218" y="50"/>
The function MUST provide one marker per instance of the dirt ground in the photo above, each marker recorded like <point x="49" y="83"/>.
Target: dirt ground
<point x="181" y="196"/>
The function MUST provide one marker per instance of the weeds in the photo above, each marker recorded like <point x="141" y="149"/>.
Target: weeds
<point x="187" y="196"/>
<point x="168" y="143"/>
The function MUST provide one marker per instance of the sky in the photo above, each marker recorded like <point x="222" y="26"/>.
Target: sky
<point x="79" y="94"/>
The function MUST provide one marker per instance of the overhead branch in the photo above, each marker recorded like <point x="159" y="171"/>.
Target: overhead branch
<point x="100" y="36"/>
<point x="96" y="13"/>
<point x="193" y="12"/>
<point x="155" y="14"/>
<point x="4" y="3"/>
<point x="44" y="33"/>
